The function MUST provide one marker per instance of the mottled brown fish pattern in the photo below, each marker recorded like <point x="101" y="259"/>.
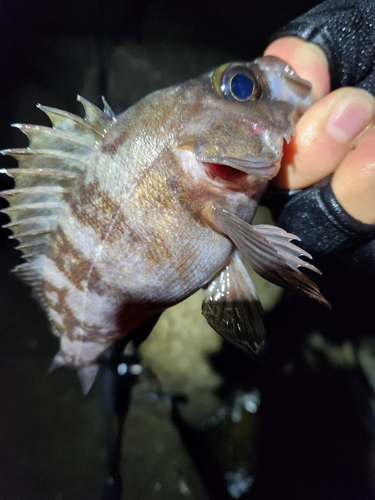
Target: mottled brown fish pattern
<point x="119" y="217"/>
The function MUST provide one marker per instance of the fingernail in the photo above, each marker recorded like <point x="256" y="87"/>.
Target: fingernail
<point x="348" y="120"/>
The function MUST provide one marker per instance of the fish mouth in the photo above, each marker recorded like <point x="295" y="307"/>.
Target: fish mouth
<point x="228" y="166"/>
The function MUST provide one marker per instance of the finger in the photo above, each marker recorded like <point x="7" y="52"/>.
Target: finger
<point x="353" y="183"/>
<point x="324" y="135"/>
<point x="308" y="61"/>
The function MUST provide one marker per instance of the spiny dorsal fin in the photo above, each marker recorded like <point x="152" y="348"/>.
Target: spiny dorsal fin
<point x="95" y="116"/>
<point x="54" y="139"/>
<point x="27" y="178"/>
<point x="48" y="170"/>
<point x="108" y="110"/>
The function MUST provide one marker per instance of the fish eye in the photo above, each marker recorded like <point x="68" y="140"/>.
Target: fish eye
<point x="241" y="87"/>
<point x="236" y="82"/>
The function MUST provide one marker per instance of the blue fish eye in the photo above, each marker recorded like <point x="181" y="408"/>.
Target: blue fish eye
<point x="241" y="87"/>
<point x="237" y="82"/>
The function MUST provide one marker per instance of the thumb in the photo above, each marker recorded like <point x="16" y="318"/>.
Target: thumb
<point x="308" y="61"/>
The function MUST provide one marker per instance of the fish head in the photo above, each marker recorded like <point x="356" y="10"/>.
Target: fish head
<point x="240" y="115"/>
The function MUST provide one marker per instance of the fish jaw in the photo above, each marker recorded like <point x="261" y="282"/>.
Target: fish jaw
<point x="266" y="170"/>
<point x="207" y="186"/>
<point x="239" y="142"/>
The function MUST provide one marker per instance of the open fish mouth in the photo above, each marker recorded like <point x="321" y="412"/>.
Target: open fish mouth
<point x="234" y="168"/>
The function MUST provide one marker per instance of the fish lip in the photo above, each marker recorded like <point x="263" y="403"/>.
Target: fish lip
<point x="256" y="167"/>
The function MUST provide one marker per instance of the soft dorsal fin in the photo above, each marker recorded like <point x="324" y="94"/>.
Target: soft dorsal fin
<point x="48" y="169"/>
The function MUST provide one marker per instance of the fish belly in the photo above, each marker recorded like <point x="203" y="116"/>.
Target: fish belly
<point x="135" y="271"/>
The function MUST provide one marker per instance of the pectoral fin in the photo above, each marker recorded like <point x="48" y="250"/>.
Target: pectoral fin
<point x="232" y="308"/>
<point x="270" y="253"/>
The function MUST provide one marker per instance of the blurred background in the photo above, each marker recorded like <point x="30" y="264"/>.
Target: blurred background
<point x="205" y="422"/>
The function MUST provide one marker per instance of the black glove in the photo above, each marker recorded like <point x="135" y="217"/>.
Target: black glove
<point x="345" y="30"/>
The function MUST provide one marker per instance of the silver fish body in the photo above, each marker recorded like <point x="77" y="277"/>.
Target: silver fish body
<point x="120" y="217"/>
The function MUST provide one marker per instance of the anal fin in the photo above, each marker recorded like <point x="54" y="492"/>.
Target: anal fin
<point x="87" y="376"/>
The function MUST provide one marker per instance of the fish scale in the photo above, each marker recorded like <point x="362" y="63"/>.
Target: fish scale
<point x="120" y="217"/>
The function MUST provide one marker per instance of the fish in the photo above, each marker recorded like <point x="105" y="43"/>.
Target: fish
<point x="119" y="217"/>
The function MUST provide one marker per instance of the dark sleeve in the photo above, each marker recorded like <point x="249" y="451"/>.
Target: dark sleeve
<point x="345" y="30"/>
<point x="324" y="227"/>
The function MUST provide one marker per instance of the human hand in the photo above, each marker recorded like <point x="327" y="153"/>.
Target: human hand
<point x="335" y="136"/>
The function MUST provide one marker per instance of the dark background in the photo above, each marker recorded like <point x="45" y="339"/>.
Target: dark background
<point x="315" y="430"/>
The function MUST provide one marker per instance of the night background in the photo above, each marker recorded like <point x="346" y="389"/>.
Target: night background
<point x="298" y="425"/>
